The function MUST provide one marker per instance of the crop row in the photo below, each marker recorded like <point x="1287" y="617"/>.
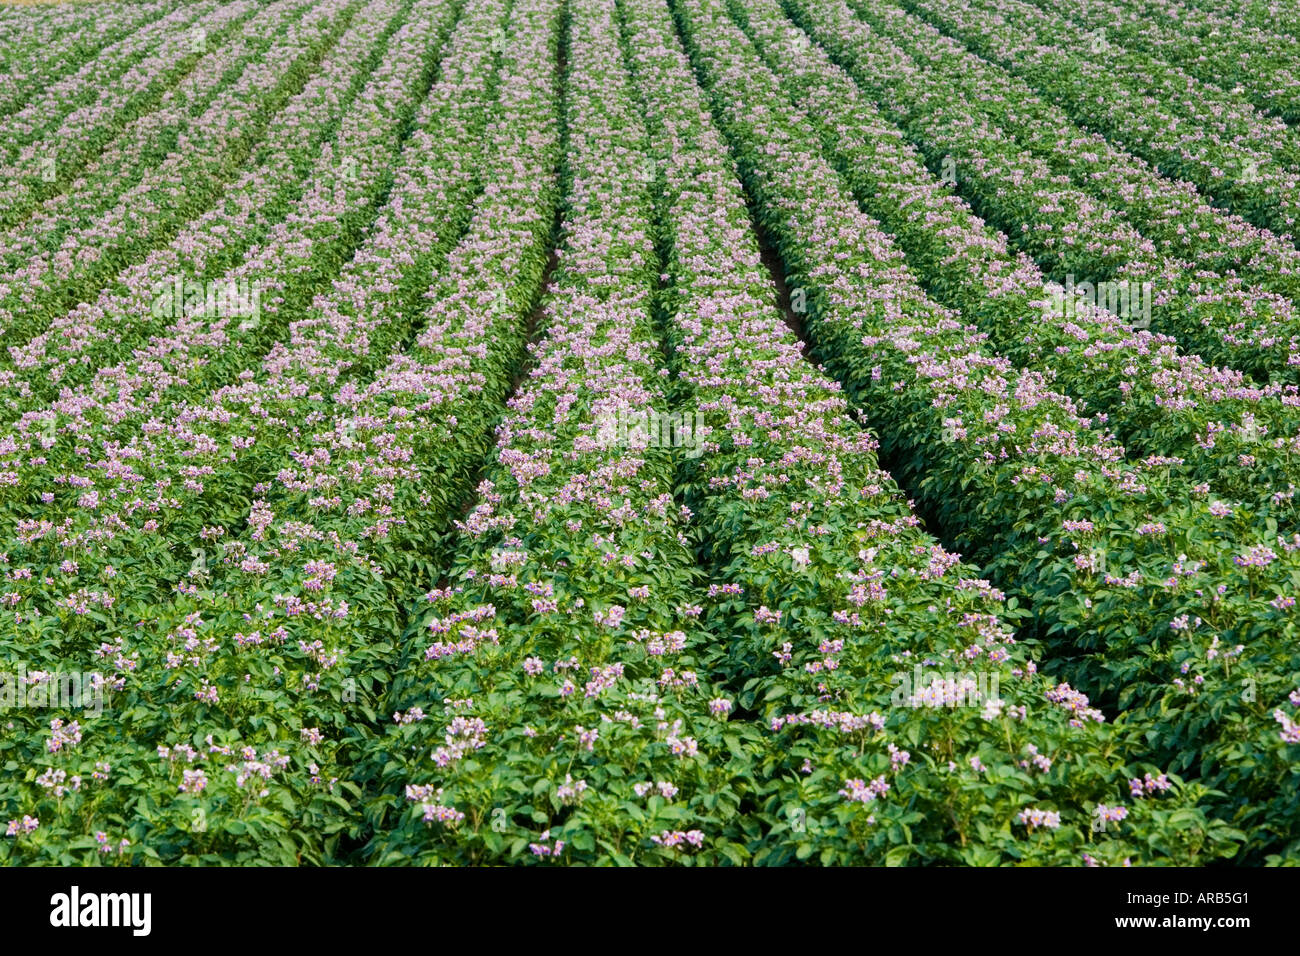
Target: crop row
<point x="1210" y="137"/>
<point x="41" y="53"/>
<point x="1090" y="545"/>
<point x="558" y="706"/>
<point x="1161" y="402"/>
<point x="269" y="207"/>
<point x="1074" y="204"/>
<point x="902" y="721"/>
<point x="51" y="281"/>
<point x="521" y="496"/>
<point x="247" y="439"/>
<point x="1256" y="63"/>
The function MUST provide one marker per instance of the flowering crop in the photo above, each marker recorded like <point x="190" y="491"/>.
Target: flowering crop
<point x="1159" y="401"/>
<point x="670" y="432"/>
<point x="921" y="373"/>
<point x="56" y="133"/>
<point x="1223" y="285"/>
<point x="64" y="251"/>
<point x="1211" y="137"/>
<point x="45" y="53"/>
<point x="829" y="594"/>
<point x="564" y="646"/>
<point x="1256" y="63"/>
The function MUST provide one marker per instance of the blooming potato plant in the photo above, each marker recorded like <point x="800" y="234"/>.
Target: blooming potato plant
<point x="60" y="267"/>
<point x="1213" y="138"/>
<point x="1256" y="63"/>
<point x="1159" y="401"/>
<point x="903" y="721"/>
<point x="283" y="574"/>
<point x="1225" y="287"/>
<point x="95" y="103"/>
<point x="557" y="707"/>
<point x="921" y="376"/>
<point x="48" y="55"/>
<point x="291" y="179"/>
<point x="435" y="432"/>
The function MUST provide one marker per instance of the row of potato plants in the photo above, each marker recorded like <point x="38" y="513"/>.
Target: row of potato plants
<point x="1235" y="436"/>
<point x="1067" y="229"/>
<point x="1257" y="64"/>
<point x="1215" y="139"/>
<point x="554" y="701"/>
<point x="56" y="134"/>
<point x="89" y="171"/>
<point x="1226" y="287"/>
<point x="1103" y="557"/>
<point x="149" y="213"/>
<point x="902" y="720"/>
<point x="287" y="178"/>
<point x="181" y="671"/>
<point x="43" y="51"/>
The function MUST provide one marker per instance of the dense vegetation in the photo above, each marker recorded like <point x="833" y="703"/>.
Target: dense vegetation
<point x="650" y="431"/>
